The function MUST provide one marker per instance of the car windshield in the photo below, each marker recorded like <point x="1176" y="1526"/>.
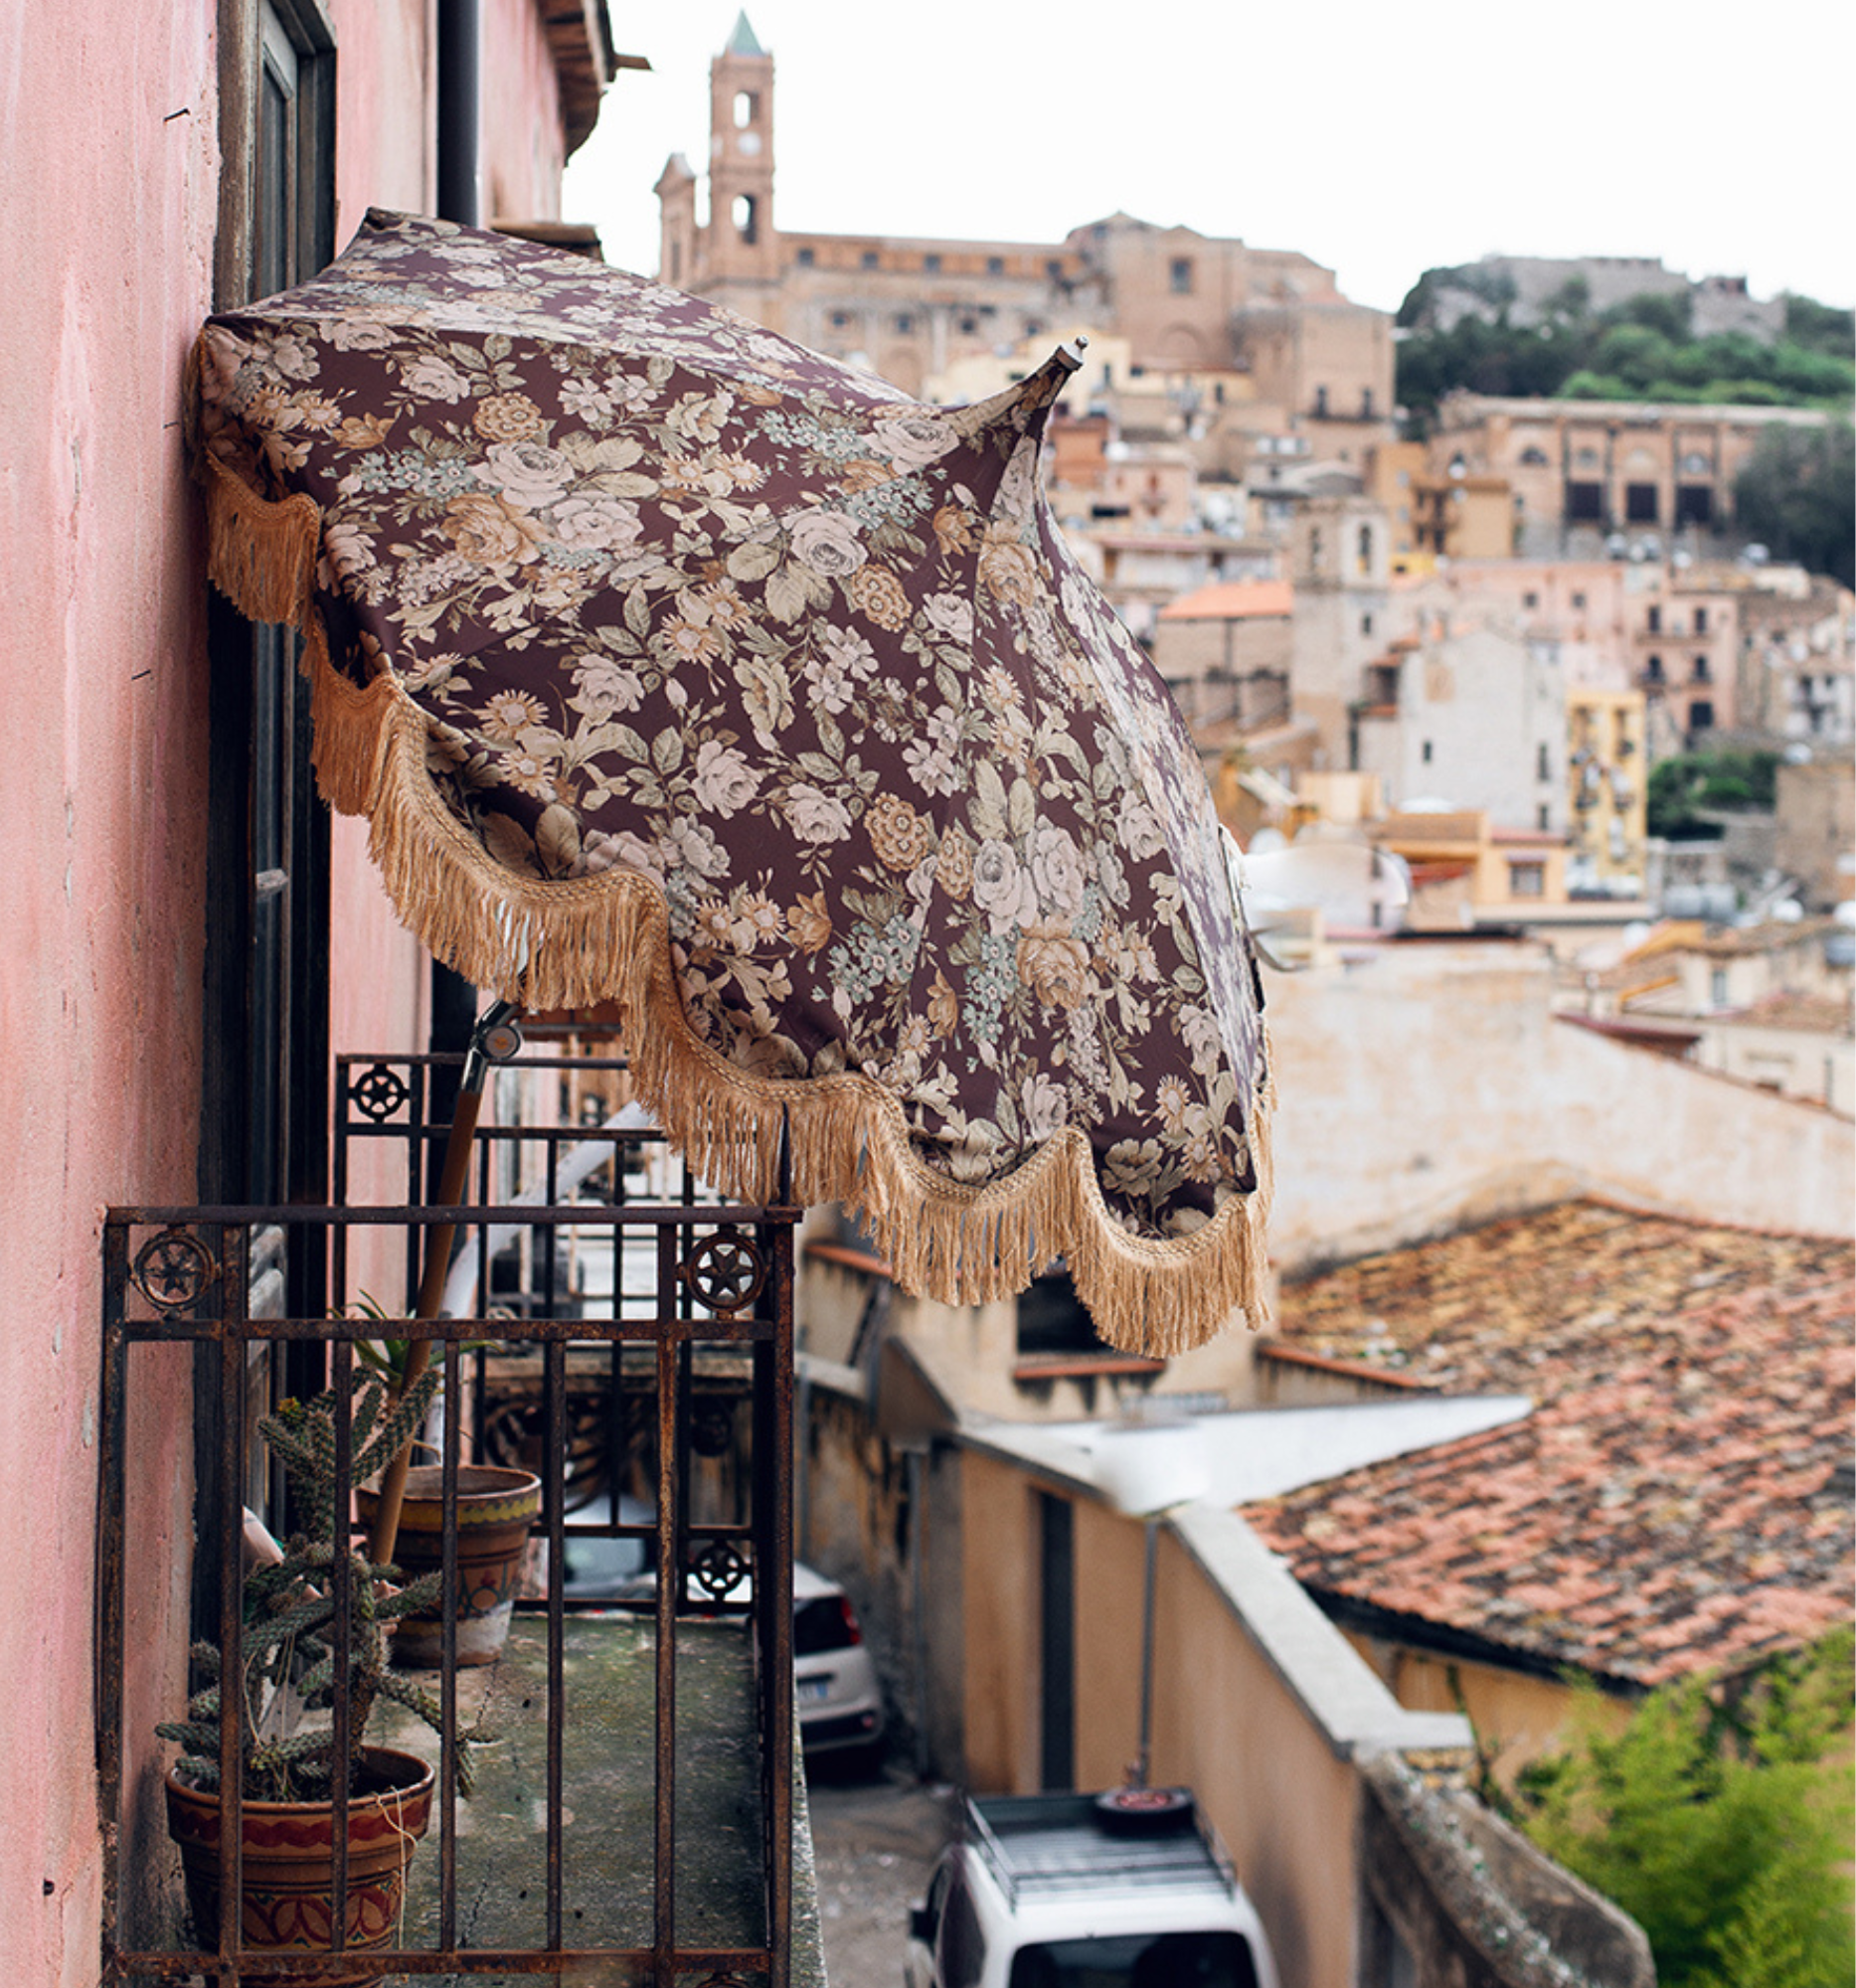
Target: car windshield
<point x="1138" y="1960"/>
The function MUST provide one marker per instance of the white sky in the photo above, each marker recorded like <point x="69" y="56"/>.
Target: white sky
<point x="1380" y="140"/>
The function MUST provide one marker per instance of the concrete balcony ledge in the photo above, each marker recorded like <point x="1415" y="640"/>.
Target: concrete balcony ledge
<point x="1341" y="1697"/>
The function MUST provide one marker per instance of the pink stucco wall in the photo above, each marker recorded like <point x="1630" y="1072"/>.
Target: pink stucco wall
<point x="108" y="210"/>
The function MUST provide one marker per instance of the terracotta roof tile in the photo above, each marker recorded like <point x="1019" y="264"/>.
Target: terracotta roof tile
<point x="1678" y="1499"/>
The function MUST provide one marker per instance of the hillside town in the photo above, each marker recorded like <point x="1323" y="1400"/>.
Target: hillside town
<point x="717" y="1282"/>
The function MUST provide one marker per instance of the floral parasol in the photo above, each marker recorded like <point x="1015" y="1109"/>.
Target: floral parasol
<point x="685" y="671"/>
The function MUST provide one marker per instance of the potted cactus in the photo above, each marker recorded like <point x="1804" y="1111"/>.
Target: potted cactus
<point x="286" y="1677"/>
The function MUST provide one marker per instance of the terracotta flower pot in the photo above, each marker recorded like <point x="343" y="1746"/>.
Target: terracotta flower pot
<point x="495" y="1510"/>
<point x="287" y="1903"/>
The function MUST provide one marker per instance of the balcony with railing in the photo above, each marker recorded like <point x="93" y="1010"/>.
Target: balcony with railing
<point x="626" y="1336"/>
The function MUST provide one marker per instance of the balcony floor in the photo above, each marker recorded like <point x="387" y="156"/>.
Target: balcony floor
<point x="608" y="1674"/>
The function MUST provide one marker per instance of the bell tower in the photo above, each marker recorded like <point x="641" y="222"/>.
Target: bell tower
<point x="743" y="247"/>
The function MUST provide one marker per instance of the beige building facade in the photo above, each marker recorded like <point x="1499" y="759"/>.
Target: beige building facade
<point x="1585" y="471"/>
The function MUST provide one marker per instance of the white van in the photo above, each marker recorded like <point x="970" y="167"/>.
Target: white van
<point x="1080" y="1891"/>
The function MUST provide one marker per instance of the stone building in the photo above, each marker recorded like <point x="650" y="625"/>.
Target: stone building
<point x="1585" y="472"/>
<point x="1234" y="327"/>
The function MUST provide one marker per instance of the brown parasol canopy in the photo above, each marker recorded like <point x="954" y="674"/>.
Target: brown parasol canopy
<point x="682" y="671"/>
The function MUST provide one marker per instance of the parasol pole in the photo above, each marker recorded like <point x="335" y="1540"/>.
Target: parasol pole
<point x="493" y="1035"/>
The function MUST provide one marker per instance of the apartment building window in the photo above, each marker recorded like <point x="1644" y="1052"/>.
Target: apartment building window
<point x="1180" y="276"/>
<point x="1699" y="673"/>
<point x="1530" y="600"/>
<point x="1533" y="458"/>
<point x="1366" y="404"/>
<point x="1701" y="715"/>
<point x="1585" y="503"/>
<point x="1639" y="503"/>
<point x="1653" y="668"/>
<point x="1701" y="620"/>
<point x="869" y="259"/>
<point x="931" y="264"/>
<point x="1424" y="751"/>
<point x="1320" y="403"/>
<point x="1655" y="622"/>
<point x="905" y="324"/>
<point x="1055" y="272"/>
<point x="969" y="324"/>
<point x="807" y="257"/>
<point x="1527" y="880"/>
<point x="1694" y="504"/>
<point x="1578" y="604"/>
<point x="840" y="320"/>
<point x="1542" y="763"/>
<point x="995" y="265"/>
<point x="1366" y="625"/>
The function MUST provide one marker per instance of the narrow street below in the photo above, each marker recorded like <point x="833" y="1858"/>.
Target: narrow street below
<point x="875" y="1839"/>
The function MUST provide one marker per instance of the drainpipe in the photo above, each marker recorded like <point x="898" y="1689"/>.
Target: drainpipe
<point x="460" y="73"/>
<point x="459" y="198"/>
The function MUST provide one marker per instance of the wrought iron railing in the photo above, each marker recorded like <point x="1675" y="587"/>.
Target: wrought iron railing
<point x="650" y="1389"/>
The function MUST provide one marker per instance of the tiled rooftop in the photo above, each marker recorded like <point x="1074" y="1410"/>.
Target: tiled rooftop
<point x="1680" y="1497"/>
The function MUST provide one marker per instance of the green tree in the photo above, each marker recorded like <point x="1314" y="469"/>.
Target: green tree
<point x="1797" y="496"/>
<point x="1719" y="1819"/>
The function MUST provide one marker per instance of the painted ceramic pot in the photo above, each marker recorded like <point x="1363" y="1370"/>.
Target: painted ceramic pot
<point x="287" y="1903"/>
<point x="495" y="1510"/>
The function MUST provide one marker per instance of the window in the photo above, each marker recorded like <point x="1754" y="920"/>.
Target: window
<point x="746" y="214"/>
<point x="1701" y="620"/>
<point x="1639" y="503"/>
<point x="1716" y="987"/>
<point x="1530" y="600"/>
<point x="1053" y="1319"/>
<point x="905" y="324"/>
<point x="1423" y="753"/>
<point x="1698" y="672"/>
<point x="995" y="265"/>
<point x="1055" y="272"/>
<point x="1700" y="715"/>
<point x="807" y="257"/>
<point x="931" y="264"/>
<point x="1366" y="625"/>
<point x="1542" y="763"/>
<point x="1320" y="403"/>
<point x="869" y="259"/>
<point x="1585" y="503"/>
<point x="1179" y="275"/>
<point x="1533" y="458"/>
<point x="1578" y="604"/>
<point x="1543" y="815"/>
<point x="1366" y="404"/>
<point x="264" y="1067"/>
<point x="746" y="107"/>
<point x="1366" y="549"/>
<point x="1694" y="504"/>
<point x="1653" y="668"/>
<point x="1527" y="880"/>
<point x="1655" y="622"/>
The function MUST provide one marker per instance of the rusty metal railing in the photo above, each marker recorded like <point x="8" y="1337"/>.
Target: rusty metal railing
<point x="675" y="1367"/>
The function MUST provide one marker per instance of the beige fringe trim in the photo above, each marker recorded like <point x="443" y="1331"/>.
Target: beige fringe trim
<point x="607" y="939"/>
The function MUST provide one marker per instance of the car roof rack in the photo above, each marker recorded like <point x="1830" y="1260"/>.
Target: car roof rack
<point x="1058" y="1845"/>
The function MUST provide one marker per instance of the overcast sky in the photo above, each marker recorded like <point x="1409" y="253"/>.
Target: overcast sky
<point x="1380" y="140"/>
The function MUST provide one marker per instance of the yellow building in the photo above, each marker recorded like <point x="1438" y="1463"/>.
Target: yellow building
<point x="1607" y="778"/>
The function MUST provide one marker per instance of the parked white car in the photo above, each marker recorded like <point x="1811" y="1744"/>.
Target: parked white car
<point x="833" y="1677"/>
<point x="840" y="1698"/>
<point x="1078" y="1891"/>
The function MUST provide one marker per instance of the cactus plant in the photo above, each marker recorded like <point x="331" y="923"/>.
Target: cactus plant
<point x="288" y="1639"/>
